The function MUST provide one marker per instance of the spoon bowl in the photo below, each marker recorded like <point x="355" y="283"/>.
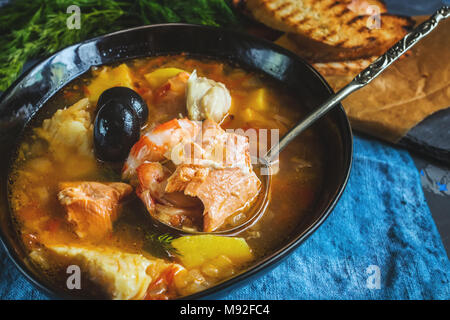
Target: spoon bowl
<point x="257" y="207"/>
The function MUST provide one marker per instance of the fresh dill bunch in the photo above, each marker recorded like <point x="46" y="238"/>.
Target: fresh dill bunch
<point x="38" y="28"/>
<point x="207" y="12"/>
<point x="31" y="29"/>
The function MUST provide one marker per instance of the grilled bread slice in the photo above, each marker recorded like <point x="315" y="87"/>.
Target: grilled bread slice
<point x="330" y="28"/>
<point x="316" y="51"/>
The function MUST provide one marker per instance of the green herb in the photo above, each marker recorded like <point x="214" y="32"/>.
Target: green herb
<point x="33" y="29"/>
<point x="160" y="245"/>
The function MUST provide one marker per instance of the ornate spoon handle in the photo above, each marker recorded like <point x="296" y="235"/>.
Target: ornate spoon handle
<point x="422" y="30"/>
<point x="363" y="78"/>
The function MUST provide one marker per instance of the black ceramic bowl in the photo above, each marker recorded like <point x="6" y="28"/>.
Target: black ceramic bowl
<point x="30" y="92"/>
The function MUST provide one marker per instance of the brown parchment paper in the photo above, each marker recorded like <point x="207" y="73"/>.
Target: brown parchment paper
<point x="413" y="88"/>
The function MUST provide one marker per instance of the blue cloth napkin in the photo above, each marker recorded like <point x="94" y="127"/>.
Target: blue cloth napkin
<point x="380" y="242"/>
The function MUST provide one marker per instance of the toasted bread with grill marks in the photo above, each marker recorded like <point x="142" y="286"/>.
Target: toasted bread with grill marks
<point x="316" y="51"/>
<point x="335" y="27"/>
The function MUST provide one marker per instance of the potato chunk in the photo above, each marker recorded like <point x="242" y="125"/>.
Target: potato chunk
<point x="108" y="78"/>
<point x="160" y="76"/>
<point x="197" y="250"/>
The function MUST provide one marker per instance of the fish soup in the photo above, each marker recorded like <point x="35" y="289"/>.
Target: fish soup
<point x="130" y="144"/>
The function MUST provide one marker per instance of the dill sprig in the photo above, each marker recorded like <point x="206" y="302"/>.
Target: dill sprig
<point x="160" y="246"/>
<point x="33" y="29"/>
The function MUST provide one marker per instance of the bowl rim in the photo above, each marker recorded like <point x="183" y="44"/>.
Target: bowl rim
<point x="268" y="261"/>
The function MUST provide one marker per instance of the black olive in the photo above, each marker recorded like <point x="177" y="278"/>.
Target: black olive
<point x="129" y="96"/>
<point x="116" y="130"/>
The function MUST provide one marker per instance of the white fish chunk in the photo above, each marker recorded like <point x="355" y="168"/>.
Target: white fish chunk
<point x="124" y="276"/>
<point x="206" y="99"/>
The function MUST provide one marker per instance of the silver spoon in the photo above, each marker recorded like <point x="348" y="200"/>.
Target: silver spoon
<point x="360" y="81"/>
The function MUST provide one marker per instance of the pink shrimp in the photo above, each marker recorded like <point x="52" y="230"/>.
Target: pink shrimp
<point x="154" y="145"/>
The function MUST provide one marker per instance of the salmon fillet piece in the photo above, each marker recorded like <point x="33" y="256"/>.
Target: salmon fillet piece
<point x="222" y="148"/>
<point x="222" y="191"/>
<point x="92" y="206"/>
<point x="173" y="208"/>
<point x="184" y="175"/>
<point x="212" y="167"/>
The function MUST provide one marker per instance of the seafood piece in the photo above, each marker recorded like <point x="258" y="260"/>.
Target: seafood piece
<point x="222" y="149"/>
<point x="218" y="172"/>
<point x="122" y="275"/>
<point x="185" y="174"/>
<point x="173" y="208"/>
<point x="206" y="99"/>
<point x="68" y="131"/>
<point x="151" y="177"/>
<point x="223" y="192"/>
<point x="228" y="186"/>
<point x="92" y="206"/>
<point x="155" y="145"/>
<point x="171" y="96"/>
